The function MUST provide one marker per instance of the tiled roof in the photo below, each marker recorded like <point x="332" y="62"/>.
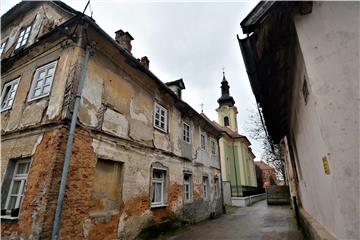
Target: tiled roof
<point x="263" y="166"/>
<point x="227" y="130"/>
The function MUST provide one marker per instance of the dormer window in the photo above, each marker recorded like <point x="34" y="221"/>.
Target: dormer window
<point x="23" y="37"/>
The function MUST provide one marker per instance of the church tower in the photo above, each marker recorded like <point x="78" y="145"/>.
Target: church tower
<point x="227" y="112"/>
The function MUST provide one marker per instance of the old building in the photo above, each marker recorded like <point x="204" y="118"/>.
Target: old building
<point x="78" y="108"/>
<point x="265" y="174"/>
<point x="302" y="59"/>
<point x="237" y="159"/>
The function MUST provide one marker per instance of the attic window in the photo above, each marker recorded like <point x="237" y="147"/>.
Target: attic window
<point x="305" y="90"/>
<point x="24" y="35"/>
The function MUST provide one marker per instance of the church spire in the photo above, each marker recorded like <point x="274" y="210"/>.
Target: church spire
<point x="225" y="98"/>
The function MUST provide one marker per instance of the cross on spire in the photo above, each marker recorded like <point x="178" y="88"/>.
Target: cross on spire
<point x="202" y="107"/>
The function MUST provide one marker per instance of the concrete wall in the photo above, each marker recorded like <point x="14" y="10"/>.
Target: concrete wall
<point x="327" y="126"/>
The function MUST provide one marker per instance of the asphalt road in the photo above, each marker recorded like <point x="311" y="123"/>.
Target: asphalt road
<point x="258" y="221"/>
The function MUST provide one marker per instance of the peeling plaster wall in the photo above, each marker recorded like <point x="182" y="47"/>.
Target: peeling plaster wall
<point x="136" y="187"/>
<point x="42" y="18"/>
<point x="24" y="113"/>
<point x="328" y="125"/>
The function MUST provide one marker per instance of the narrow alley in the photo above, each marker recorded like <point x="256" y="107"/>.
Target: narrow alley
<point x="258" y="221"/>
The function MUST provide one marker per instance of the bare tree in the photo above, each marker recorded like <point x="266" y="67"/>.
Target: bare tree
<point x="271" y="153"/>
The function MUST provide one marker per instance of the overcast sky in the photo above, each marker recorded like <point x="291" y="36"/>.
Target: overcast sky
<point x="192" y="40"/>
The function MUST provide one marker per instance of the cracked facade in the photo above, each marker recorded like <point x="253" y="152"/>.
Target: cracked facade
<point x="130" y="153"/>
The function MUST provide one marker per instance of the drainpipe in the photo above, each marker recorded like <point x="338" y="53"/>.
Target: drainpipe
<point x="221" y="181"/>
<point x="236" y="180"/>
<point x="59" y="204"/>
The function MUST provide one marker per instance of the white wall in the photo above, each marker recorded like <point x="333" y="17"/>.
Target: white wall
<point x="328" y="125"/>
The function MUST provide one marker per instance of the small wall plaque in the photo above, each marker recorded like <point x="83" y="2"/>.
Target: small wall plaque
<point x="326" y="165"/>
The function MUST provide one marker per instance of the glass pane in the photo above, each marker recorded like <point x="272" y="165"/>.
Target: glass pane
<point x="157" y="123"/>
<point x="41" y="74"/>
<point x="157" y="192"/>
<point x="22" y="33"/>
<point x="23" y="168"/>
<point x="158" y="174"/>
<point x="46" y="89"/>
<point x="51" y="71"/>
<point x="37" y="92"/>
<point x="48" y="80"/>
<point x="9" y="103"/>
<point x="162" y="125"/>
<point x="12" y="202"/>
<point x="16" y="187"/>
<point x="39" y="83"/>
<point x="28" y="29"/>
<point x="12" y="94"/>
<point x="15" y="86"/>
<point x="18" y="44"/>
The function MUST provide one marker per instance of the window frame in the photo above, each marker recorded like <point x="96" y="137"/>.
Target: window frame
<point x="184" y="132"/>
<point x="205" y="187"/>
<point x="189" y="183"/>
<point x="35" y="79"/>
<point x="165" y="129"/>
<point x="213" y="146"/>
<point x="2" y="47"/>
<point x="217" y="187"/>
<point x="203" y="147"/>
<point x="25" y="31"/>
<point x="11" y="84"/>
<point x="163" y="192"/>
<point x="21" y="191"/>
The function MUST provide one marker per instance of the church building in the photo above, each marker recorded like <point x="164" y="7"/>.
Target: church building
<point x="237" y="159"/>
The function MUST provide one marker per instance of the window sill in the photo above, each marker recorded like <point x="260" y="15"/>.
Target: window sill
<point x="7" y="217"/>
<point x="160" y="130"/>
<point x="159" y="206"/>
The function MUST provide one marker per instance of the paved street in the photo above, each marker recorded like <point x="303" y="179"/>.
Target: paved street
<point x="258" y="222"/>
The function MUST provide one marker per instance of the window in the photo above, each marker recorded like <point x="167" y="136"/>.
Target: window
<point x="17" y="187"/>
<point x="186" y="132"/>
<point x="305" y="90"/>
<point x="160" y="118"/>
<point x="213" y="146"/>
<point x="23" y="37"/>
<point x="187" y="187"/>
<point x="158" y="187"/>
<point x="226" y="121"/>
<point x="2" y="47"/>
<point x="203" y="140"/>
<point x="217" y="187"/>
<point x="107" y="186"/>
<point x="205" y="187"/>
<point x="8" y="94"/>
<point x="42" y="82"/>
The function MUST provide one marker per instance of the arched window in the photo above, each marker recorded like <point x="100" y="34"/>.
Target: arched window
<point x="226" y="121"/>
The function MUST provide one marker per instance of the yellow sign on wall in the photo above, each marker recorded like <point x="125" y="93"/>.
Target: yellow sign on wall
<point x="326" y="165"/>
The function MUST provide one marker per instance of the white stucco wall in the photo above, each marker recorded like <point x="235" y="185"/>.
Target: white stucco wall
<point x="328" y="125"/>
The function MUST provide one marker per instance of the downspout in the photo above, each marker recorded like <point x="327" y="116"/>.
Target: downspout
<point x="236" y="180"/>
<point x="60" y="200"/>
<point x="221" y="181"/>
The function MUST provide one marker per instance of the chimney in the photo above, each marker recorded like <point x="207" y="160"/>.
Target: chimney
<point x="124" y="39"/>
<point x="145" y="62"/>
